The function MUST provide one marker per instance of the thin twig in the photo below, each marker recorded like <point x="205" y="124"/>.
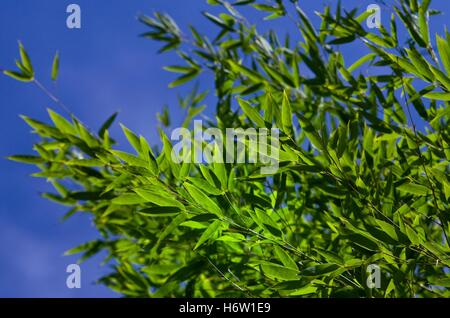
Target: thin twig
<point x="52" y="97"/>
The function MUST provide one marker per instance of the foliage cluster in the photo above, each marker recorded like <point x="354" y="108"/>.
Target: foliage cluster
<point x="358" y="184"/>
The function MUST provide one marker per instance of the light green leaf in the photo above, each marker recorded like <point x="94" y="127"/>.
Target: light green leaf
<point x="209" y="233"/>
<point x="55" y="67"/>
<point x="26" y="62"/>
<point x="167" y="231"/>
<point x="204" y="185"/>
<point x="286" y="115"/>
<point x="128" y="199"/>
<point x="413" y="188"/>
<point x="184" y="78"/>
<point x="438" y="96"/>
<point x="160" y="199"/>
<point x="423" y="25"/>
<point x="61" y="123"/>
<point x="444" y="52"/>
<point x="361" y="61"/>
<point x="202" y="199"/>
<point x="130" y="159"/>
<point x="18" y="76"/>
<point x="27" y="159"/>
<point x="285" y="258"/>
<point x="132" y="138"/>
<point x="389" y="229"/>
<point x="252" y="113"/>
<point x="304" y="291"/>
<point x="279" y="272"/>
<point x="311" y="133"/>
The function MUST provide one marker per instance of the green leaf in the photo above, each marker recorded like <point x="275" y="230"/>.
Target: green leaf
<point x="311" y="133"/>
<point x="27" y="159"/>
<point x="343" y="40"/>
<point x="167" y="152"/>
<point x="132" y="138"/>
<point x="361" y="61"/>
<point x="285" y="258"/>
<point x="320" y="269"/>
<point x="423" y="25"/>
<point x="130" y="159"/>
<point x="194" y="225"/>
<point x="441" y="77"/>
<point x="304" y="291"/>
<point x="21" y="67"/>
<point x="389" y="229"/>
<point x="411" y="27"/>
<point x="232" y="238"/>
<point x="203" y="200"/>
<point x="19" y="76"/>
<point x="209" y="233"/>
<point x="184" y="78"/>
<point x="89" y="249"/>
<point x="447" y="190"/>
<point x="444" y="52"/>
<point x="286" y="115"/>
<point x="217" y="21"/>
<point x="438" y="96"/>
<point x="420" y="63"/>
<point x="179" y="69"/>
<point x="220" y="171"/>
<point x="266" y="221"/>
<point x="413" y="188"/>
<point x="160" y="199"/>
<point x="26" y="62"/>
<point x="85" y="163"/>
<point x="412" y="235"/>
<point x="107" y="124"/>
<point x="404" y="64"/>
<point x="252" y="113"/>
<point x="55" y="67"/>
<point x="167" y="231"/>
<point x="378" y="40"/>
<point x="255" y="77"/>
<point x="205" y="186"/>
<point x="147" y="155"/>
<point x="128" y="199"/>
<point x="279" y="272"/>
<point x="62" y="124"/>
<point x="160" y="211"/>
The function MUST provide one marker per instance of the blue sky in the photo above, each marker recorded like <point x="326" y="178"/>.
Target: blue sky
<point x="105" y="67"/>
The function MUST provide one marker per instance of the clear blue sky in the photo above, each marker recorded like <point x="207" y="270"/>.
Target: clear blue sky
<point x="105" y="67"/>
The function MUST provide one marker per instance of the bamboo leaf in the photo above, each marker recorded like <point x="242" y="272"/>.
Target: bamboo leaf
<point x="444" y="52"/>
<point x="26" y="62"/>
<point x="413" y="188"/>
<point x="278" y="272"/>
<point x="203" y="200"/>
<point x="209" y="233"/>
<point x="251" y="113"/>
<point x="286" y="115"/>
<point x="61" y="123"/>
<point x="55" y="67"/>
